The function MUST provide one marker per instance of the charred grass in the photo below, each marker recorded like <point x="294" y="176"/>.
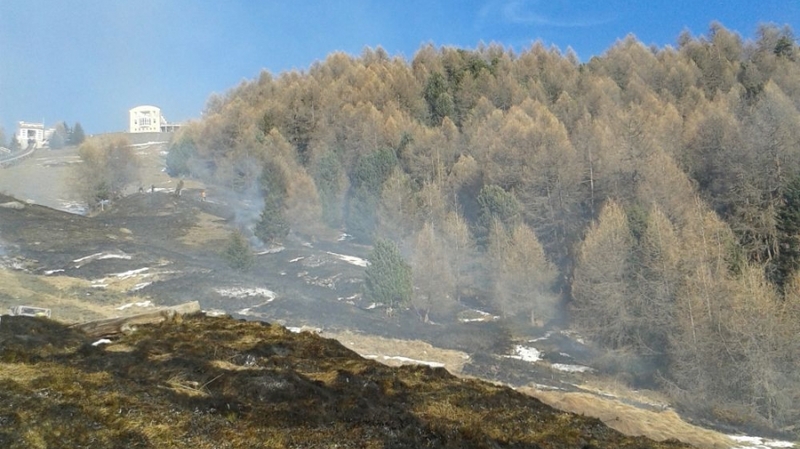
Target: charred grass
<point x="217" y="382"/>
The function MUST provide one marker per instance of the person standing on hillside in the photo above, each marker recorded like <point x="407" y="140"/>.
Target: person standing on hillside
<point x="179" y="188"/>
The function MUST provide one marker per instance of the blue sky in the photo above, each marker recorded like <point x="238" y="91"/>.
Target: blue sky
<point x="92" y="60"/>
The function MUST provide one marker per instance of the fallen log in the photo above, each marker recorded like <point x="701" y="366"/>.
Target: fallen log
<point x="112" y="326"/>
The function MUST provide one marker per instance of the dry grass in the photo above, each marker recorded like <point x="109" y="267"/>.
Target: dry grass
<point x="368" y="345"/>
<point x="630" y="420"/>
<point x="50" y="292"/>
<point x="209" y="229"/>
<point x="183" y="386"/>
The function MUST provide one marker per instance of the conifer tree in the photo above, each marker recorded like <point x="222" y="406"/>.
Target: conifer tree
<point x="237" y="252"/>
<point x="76" y="136"/>
<point x="388" y="278"/>
<point x="434" y="280"/>
<point x="788" y="260"/>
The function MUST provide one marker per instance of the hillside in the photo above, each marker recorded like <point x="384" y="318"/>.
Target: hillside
<point x="157" y="250"/>
<point x="203" y="382"/>
<point x="647" y="198"/>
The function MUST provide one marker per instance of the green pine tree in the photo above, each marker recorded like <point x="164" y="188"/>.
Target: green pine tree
<point x="366" y="184"/>
<point x="788" y="260"/>
<point x="77" y="136"/>
<point x="388" y="279"/>
<point x="272" y="224"/>
<point x="178" y="157"/>
<point x="496" y="204"/>
<point x="237" y="253"/>
<point x="329" y="179"/>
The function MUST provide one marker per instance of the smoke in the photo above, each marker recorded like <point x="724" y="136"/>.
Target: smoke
<point x="237" y="184"/>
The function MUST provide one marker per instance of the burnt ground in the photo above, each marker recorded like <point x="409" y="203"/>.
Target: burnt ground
<point x="312" y="286"/>
<point x="204" y="382"/>
<point x="162" y="248"/>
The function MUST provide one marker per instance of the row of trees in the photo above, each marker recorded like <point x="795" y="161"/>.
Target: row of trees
<point x="63" y="135"/>
<point x="651" y="192"/>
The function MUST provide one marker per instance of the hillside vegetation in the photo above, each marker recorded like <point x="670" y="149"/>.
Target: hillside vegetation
<point x="204" y="382"/>
<point x="650" y="196"/>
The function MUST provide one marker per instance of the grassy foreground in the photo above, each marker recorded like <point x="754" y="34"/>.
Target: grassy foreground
<point x="205" y="382"/>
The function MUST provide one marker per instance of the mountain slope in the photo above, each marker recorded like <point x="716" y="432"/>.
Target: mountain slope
<point x="205" y="382"/>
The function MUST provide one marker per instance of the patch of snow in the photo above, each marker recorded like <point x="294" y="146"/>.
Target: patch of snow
<point x="101" y="256"/>
<point x="242" y="292"/>
<point x="402" y="359"/>
<point x="72" y="207"/>
<point x="344" y="236"/>
<point x="139" y="286"/>
<point x="371" y="306"/>
<point x="748" y="442"/>
<point x="297" y="330"/>
<point x="129" y="274"/>
<point x="214" y="312"/>
<point x="547" y="387"/>
<point x="147" y="303"/>
<point x="350" y="259"/>
<point x="571" y="368"/>
<point x="102" y="341"/>
<point x="146" y="144"/>
<point x="51" y="272"/>
<point x="307" y="245"/>
<point x="564" y="354"/>
<point x="546" y="336"/>
<point x="99" y="286"/>
<point x="296" y="259"/>
<point x="114" y="256"/>
<point x="13" y="205"/>
<point x="485" y="316"/>
<point x="525" y="354"/>
<point x="273" y="250"/>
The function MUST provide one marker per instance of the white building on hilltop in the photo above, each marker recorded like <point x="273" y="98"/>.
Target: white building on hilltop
<point x="148" y="119"/>
<point x="30" y="134"/>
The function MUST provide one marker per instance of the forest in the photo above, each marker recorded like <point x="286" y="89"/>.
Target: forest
<point x="648" y="197"/>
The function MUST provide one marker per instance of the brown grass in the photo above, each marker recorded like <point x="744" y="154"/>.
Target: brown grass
<point x="368" y="345"/>
<point x="50" y="292"/>
<point x="208" y="229"/>
<point x="183" y="386"/>
<point x="633" y="421"/>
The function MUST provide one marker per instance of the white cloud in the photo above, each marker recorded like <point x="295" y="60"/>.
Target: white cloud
<point x="556" y="14"/>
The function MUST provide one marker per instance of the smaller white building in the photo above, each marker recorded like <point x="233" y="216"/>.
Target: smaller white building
<point x="30" y="134"/>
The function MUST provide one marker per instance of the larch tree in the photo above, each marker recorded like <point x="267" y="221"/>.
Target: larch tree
<point x="600" y="289"/>
<point x="432" y="270"/>
<point x="523" y="279"/>
<point x="461" y="251"/>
